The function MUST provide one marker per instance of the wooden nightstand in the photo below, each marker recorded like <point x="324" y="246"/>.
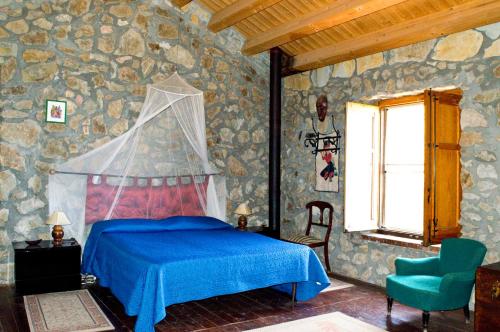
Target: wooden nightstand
<point x="47" y="268"/>
<point x="256" y="229"/>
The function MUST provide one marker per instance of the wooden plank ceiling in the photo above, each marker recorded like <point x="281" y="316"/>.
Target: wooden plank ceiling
<point x="316" y="33"/>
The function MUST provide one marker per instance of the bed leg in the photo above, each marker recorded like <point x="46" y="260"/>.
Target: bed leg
<point x="294" y="293"/>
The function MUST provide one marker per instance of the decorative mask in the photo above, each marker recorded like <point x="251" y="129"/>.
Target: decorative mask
<point x="322" y="107"/>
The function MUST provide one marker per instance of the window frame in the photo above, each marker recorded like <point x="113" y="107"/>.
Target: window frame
<point x="383" y="105"/>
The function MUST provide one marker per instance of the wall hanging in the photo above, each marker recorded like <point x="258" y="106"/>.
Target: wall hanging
<point x="55" y="111"/>
<point x="325" y="147"/>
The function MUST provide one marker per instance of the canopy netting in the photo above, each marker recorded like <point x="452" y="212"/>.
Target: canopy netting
<point x="159" y="168"/>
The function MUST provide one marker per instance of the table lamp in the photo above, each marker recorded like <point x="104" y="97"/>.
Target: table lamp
<point x="58" y="219"/>
<point x="243" y="211"/>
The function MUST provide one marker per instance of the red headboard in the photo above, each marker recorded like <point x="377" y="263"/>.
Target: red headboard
<point x="146" y="201"/>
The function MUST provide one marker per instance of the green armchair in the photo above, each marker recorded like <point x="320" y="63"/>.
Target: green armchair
<point x="438" y="283"/>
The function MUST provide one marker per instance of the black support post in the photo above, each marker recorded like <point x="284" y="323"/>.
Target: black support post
<point x="275" y="141"/>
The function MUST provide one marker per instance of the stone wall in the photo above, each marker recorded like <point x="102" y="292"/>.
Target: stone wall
<point x="468" y="60"/>
<point x="98" y="56"/>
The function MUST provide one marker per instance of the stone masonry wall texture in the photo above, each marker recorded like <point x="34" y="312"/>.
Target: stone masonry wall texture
<point x="468" y="60"/>
<point x="98" y="56"/>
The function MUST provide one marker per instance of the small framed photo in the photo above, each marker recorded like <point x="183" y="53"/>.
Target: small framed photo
<point x="55" y="111"/>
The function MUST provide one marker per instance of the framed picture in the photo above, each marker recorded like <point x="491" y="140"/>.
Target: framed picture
<point x="327" y="170"/>
<point x="55" y="111"/>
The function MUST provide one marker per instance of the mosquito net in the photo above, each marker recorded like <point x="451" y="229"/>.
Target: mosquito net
<point x="159" y="168"/>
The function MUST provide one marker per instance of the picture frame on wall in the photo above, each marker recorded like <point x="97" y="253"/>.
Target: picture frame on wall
<point x="55" y="111"/>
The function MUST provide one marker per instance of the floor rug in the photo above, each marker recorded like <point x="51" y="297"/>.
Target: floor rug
<point x="336" y="284"/>
<point x="333" y="322"/>
<point x="73" y="311"/>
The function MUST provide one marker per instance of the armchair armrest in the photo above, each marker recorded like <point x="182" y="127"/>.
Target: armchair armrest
<point x="416" y="266"/>
<point x="452" y="281"/>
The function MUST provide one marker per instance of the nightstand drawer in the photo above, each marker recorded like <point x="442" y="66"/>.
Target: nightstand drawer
<point x="48" y="263"/>
<point x="47" y="285"/>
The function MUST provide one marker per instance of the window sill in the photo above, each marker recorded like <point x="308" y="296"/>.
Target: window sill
<point x="400" y="241"/>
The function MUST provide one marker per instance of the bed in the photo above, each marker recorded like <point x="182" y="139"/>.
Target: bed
<point x="151" y="264"/>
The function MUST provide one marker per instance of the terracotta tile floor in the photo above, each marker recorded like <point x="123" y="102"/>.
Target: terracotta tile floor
<point x="255" y="309"/>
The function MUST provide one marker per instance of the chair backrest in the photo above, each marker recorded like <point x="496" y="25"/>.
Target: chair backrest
<point x="322" y="206"/>
<point x="460" y="255"/>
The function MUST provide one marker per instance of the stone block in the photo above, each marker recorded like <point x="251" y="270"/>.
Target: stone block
<point x="458" y="46"/>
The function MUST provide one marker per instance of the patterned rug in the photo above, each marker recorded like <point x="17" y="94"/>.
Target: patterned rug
<point x="73" y="311"/>
<point x="336" y="284"/>
<point x="333" y="322"/>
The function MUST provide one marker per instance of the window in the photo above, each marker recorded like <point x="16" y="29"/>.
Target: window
<point x="402" y="166"/>
<point x="402" y="176"/>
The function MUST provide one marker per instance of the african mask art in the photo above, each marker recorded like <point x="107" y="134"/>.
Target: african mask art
<point x="322" y="107"/>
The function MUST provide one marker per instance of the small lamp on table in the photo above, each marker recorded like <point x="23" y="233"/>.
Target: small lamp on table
<point x="243" y="211"/>
<point x="58" y="219"/>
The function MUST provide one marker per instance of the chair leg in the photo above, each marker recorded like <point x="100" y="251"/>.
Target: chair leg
<point x="294" y="294"/>
<point x="390" y="300"/>
<point x="467" y="314"/>
<point x="425" y="320"/>
<point x="327" y="260"/>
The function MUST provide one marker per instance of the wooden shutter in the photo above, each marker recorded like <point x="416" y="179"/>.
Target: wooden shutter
<point x="442" y="166"/>
<point x="362" y="167"/>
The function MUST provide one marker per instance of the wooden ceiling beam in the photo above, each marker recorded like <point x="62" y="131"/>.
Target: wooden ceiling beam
<point x="180" y="3"/>
<point x="334" y="14"/>
<point x="454" y="19"/>
<point x="236" y="12"/>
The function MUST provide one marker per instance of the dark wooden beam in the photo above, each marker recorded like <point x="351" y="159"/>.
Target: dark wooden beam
<point x="276" y="56"/>
<point x="286" y="66"/>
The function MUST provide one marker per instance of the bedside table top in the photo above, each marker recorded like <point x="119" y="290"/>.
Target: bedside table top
<point x="494" y="266"/>
<point x="254" y="229"/>
<point x="45" y="244"/>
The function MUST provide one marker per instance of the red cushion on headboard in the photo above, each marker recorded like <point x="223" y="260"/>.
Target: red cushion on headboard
<point x="153" y="202"/>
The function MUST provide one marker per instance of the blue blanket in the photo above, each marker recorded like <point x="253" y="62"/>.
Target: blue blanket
<point x="149" y="265"/>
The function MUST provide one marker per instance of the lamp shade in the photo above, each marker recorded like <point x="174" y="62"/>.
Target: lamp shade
<point x="58" y="218"/>
<point x="243" y="210"/>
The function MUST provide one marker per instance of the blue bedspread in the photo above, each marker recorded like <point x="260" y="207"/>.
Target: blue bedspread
<point x="149" y="265"/>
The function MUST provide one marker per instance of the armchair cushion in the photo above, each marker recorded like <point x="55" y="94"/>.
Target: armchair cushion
<point x="419" y="291"/>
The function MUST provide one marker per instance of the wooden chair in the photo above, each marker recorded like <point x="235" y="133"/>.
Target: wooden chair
<point x="312" y="241"/>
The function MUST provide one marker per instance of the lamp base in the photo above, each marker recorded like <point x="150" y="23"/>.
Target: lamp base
<point x="242" y="222"/>
<point x="57" y="235"/>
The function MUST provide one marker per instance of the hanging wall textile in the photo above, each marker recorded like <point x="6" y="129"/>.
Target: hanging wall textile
<point x="325" y="145"/>
<point x="158" y="168"/>
<point x="146" y="201"/>
<point x="327" y="165"/>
